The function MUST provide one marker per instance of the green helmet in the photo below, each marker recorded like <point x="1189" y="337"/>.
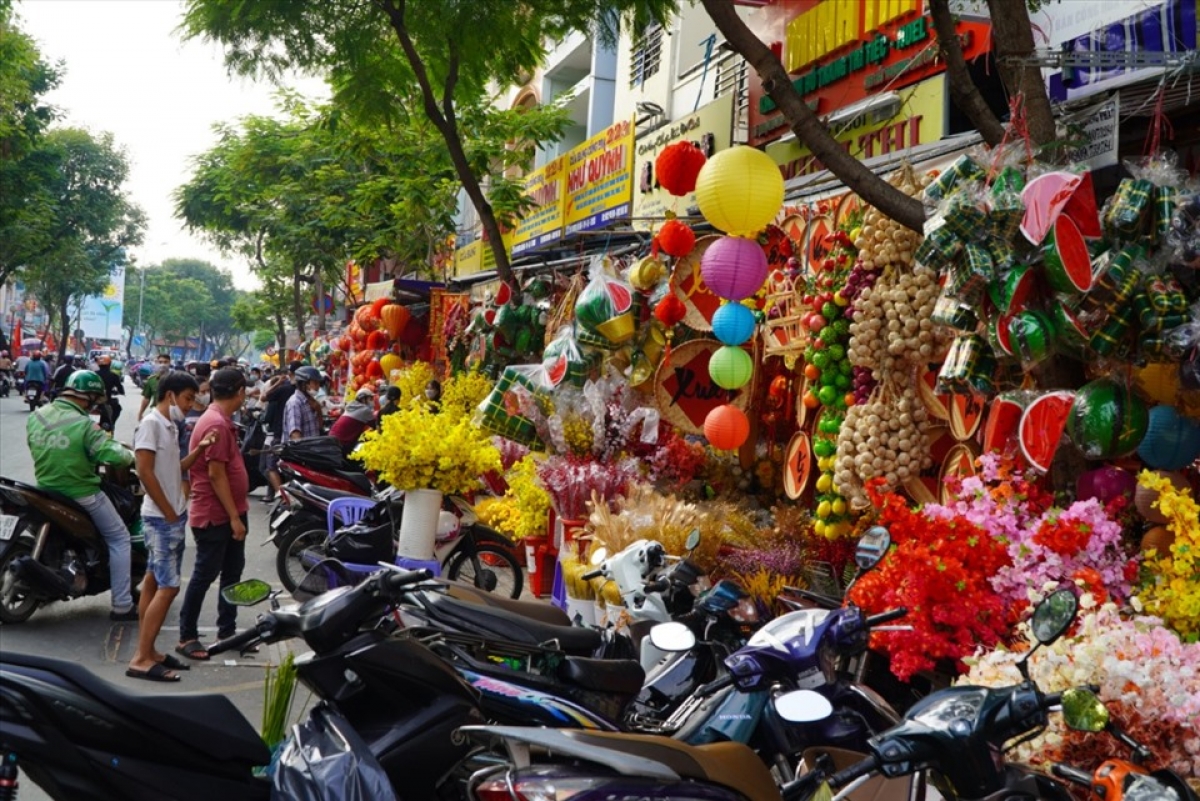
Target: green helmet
<point x="85" y="382"/>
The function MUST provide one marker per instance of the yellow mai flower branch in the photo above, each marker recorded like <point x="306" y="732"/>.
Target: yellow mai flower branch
<point x="1174" y="591"/>
<point x="421" y="449"/>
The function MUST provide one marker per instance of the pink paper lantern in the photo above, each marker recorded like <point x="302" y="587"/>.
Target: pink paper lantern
<point x="1105" y="484"/>
<point x="733" y="267"/>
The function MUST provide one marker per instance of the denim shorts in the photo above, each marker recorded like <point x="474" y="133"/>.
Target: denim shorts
<point x="164" y="543"/>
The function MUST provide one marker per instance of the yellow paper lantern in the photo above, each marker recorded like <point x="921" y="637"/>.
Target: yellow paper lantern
<point x="740" y="190"/>
<point x="390" y="362"/>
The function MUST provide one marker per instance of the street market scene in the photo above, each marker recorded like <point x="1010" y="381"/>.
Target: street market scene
<point x="729" y="399"/>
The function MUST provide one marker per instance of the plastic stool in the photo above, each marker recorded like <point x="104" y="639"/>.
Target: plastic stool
<point x="432" y="565"/>
<point x="348" y="510"/>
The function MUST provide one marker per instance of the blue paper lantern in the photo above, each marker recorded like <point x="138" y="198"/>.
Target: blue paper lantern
<point x="1172" y="442"/>
<point x="733" y="324"/>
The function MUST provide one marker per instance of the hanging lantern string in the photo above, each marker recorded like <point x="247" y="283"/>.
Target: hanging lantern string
<point x="1018" y="125"/>
<point x="1158" y="124"/>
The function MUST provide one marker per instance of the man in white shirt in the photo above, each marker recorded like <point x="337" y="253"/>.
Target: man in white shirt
<point x="164" y="518"/>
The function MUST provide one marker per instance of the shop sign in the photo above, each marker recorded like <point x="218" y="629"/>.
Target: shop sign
<point x="478" y="256"/>
<point x="543" y="223"/>
<point x="842" y="51"/>
<point x="354" y="283"/>
<point x="1097" y="129"/>
<point x="709" y="128"/>
<point x="1115" y="27"/>
<point x="600" y="179"/>
<point x="921" y="119"/>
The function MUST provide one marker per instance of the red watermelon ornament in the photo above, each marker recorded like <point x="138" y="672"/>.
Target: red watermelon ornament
<point x="504" y="294"/>
<point x="676" y="238"/>
<point x="678" y="166"/>
<point x="1042" y="426"/>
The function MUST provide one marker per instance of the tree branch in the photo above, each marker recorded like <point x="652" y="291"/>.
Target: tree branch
<point x="1012" y="38"/>
<point x="809" y="130"/>
<point x="963" y="90"/>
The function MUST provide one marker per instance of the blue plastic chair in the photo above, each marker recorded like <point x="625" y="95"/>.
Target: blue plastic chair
<point x="348" y="510"/>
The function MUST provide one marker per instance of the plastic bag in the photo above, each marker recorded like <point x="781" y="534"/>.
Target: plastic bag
<point x="1183" y="236"/>
<point x="564" y="360"/>
<point x="605" y="308"/>
<point x="964" y="169"/>
<point x="501" y="412"/>
<point x="326" y="760"/>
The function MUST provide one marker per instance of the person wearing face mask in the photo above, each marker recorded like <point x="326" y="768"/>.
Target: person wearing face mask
<point x="162" y="366"/>
<point x="164" y="519"/>
<point x="302" y="414"/>
<point x="433" y="395"/>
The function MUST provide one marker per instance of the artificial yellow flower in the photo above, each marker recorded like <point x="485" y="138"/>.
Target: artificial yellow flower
<point x="1174" y="594"/>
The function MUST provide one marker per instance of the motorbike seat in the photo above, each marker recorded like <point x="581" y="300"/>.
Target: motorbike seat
<point x="327" y="493"/>
<point x="358" y="479"/>
<point x="208" y="723"/>
<point x="535" y="610"/>
<point x="50" y="494"/>
<point x="621" y="676"/>
<point x="733" y="765"/>
<point x="510" y="626"/>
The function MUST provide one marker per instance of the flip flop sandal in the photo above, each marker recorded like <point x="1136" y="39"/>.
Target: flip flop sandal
<point x="193" y="650"/>
<point x="156" y="673"/>
<point x="171" y="663"/>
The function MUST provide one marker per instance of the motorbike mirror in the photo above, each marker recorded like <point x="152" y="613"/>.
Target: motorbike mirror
<point x="693" y="540"/>
<point x="1083" y="711"/>
<point x="672" y="637"/>
<point x="872" y="547"/>
<point x="599" y="555"/>
<point x="1053" y="616"/>
<point x="803" y="706"/>
<point x="246" y="593"/>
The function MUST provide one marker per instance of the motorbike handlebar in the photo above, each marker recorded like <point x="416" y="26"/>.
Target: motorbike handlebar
<point x="592" y="574"/>
<point x="844" y="777"/>
<point x="713" y="686"/>
<point x="396" y="581"/>
<point x="824" y="601"/>
<point x="658" y="585"/>
<point x="1071" y="774"/>
<point x="235" y="643"/>
<point x="884" y="617"/>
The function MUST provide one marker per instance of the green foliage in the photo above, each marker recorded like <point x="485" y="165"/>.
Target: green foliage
<point x="25" y="171"/>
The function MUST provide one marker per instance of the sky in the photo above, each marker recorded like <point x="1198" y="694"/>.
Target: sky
<point x="127" y="72"/>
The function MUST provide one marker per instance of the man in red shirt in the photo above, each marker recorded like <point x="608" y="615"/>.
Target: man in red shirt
<point x="219" y="502"/>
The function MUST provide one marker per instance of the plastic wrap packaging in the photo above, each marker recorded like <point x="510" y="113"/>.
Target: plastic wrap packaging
<point x="965" y="212"/>
<point x="1128" y="210"/>
<point x="952" y="312"/>
<point x="968" y="276"/>
<point x="1183" y="237"/>
<point x="564" y="359"/>
<point x="605" y="309"/>
<point x="1005" y="208"/>
<point x="1118" y="276"/>
<point x="939" y="248"/>
<point x="1031" y="337"/>
<point x="326" y="760"/>
<point x="501" y="411"/>
<point x="969" y="367"/>
<point x="963" y="170"/>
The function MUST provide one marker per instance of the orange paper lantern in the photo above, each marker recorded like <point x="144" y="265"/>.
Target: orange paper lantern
<point x="366" y="320"/>
<point x="676" y="238"/>
<point x="394" y="317"/>
<point x="726" y="427"/>
<point x="345" y="343"/>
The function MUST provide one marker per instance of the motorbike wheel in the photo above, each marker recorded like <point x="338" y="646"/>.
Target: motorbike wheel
<point x="494" y="569"/>
<point x="15" y="606"/>
<point x="287" y="561"/>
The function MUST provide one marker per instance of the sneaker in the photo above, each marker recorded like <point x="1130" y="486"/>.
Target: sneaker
<point x="128" y="616"/>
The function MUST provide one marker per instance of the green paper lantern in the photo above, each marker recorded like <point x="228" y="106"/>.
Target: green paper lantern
<point x="730" y="367"/>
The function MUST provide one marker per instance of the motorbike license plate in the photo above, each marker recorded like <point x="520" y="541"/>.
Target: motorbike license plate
<point x="280" y="520"/>
<point x="8" y="527"/>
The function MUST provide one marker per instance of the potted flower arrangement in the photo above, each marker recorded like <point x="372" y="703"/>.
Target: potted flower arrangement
<point x="427" y="453"/>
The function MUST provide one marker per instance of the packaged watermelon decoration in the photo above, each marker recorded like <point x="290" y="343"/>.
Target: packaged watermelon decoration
<point x="1042" y="425"/>
<point x="1031" y="336"/>
<point x="1107" y="420"/>
<point x="604" y="308"/>
<point x="564" y="360"/>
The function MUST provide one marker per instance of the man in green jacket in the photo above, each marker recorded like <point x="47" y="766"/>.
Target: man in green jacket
<point x="67" y="446"/>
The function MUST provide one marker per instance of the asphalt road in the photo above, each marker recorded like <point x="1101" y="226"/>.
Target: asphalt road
<point x="80" y="631"/>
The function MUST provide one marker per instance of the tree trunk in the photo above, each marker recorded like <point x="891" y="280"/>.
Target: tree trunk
<point x="809" y="129"/>
<point x="64" y="328"/>
<point x="442" y="119"/>
<point x="320" y="290"/>
<point x="1012" y="37"/>
<point x="297" y="305"/>
<point x="281" y="339"/>
<point x="963" y="90"/>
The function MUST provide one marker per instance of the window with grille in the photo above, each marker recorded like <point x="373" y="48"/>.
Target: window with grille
<point x="647" y="56"/>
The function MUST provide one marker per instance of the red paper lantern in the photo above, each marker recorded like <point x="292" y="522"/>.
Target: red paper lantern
<point x="726" y="427"/>
<point x="345" y="343"/>
<point x="377" y="306"/>
<point x="677" y="167"/>
<point x="377" y="340"/>
<point x="374" y="369"/>
<point x="676" y="238"/>
<point x="670" y="310"/>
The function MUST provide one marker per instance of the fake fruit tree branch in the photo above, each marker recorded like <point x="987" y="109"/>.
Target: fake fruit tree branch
<point x="963" y="90"/>
<point x="448" y="128"/>
<point x="807" y="126"/>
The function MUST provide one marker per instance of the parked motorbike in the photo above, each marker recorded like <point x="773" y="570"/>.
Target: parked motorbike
<point x="1116" y="779"/>
<point x="957" y="733"/>
<point x="50" y="549"/>
<point x="466" y="549"/>
<point x="382" y="729"/>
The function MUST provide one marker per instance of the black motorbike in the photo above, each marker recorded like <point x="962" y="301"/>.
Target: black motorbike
<point x="383" y="728"/>
<point x="50" y="550"/>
